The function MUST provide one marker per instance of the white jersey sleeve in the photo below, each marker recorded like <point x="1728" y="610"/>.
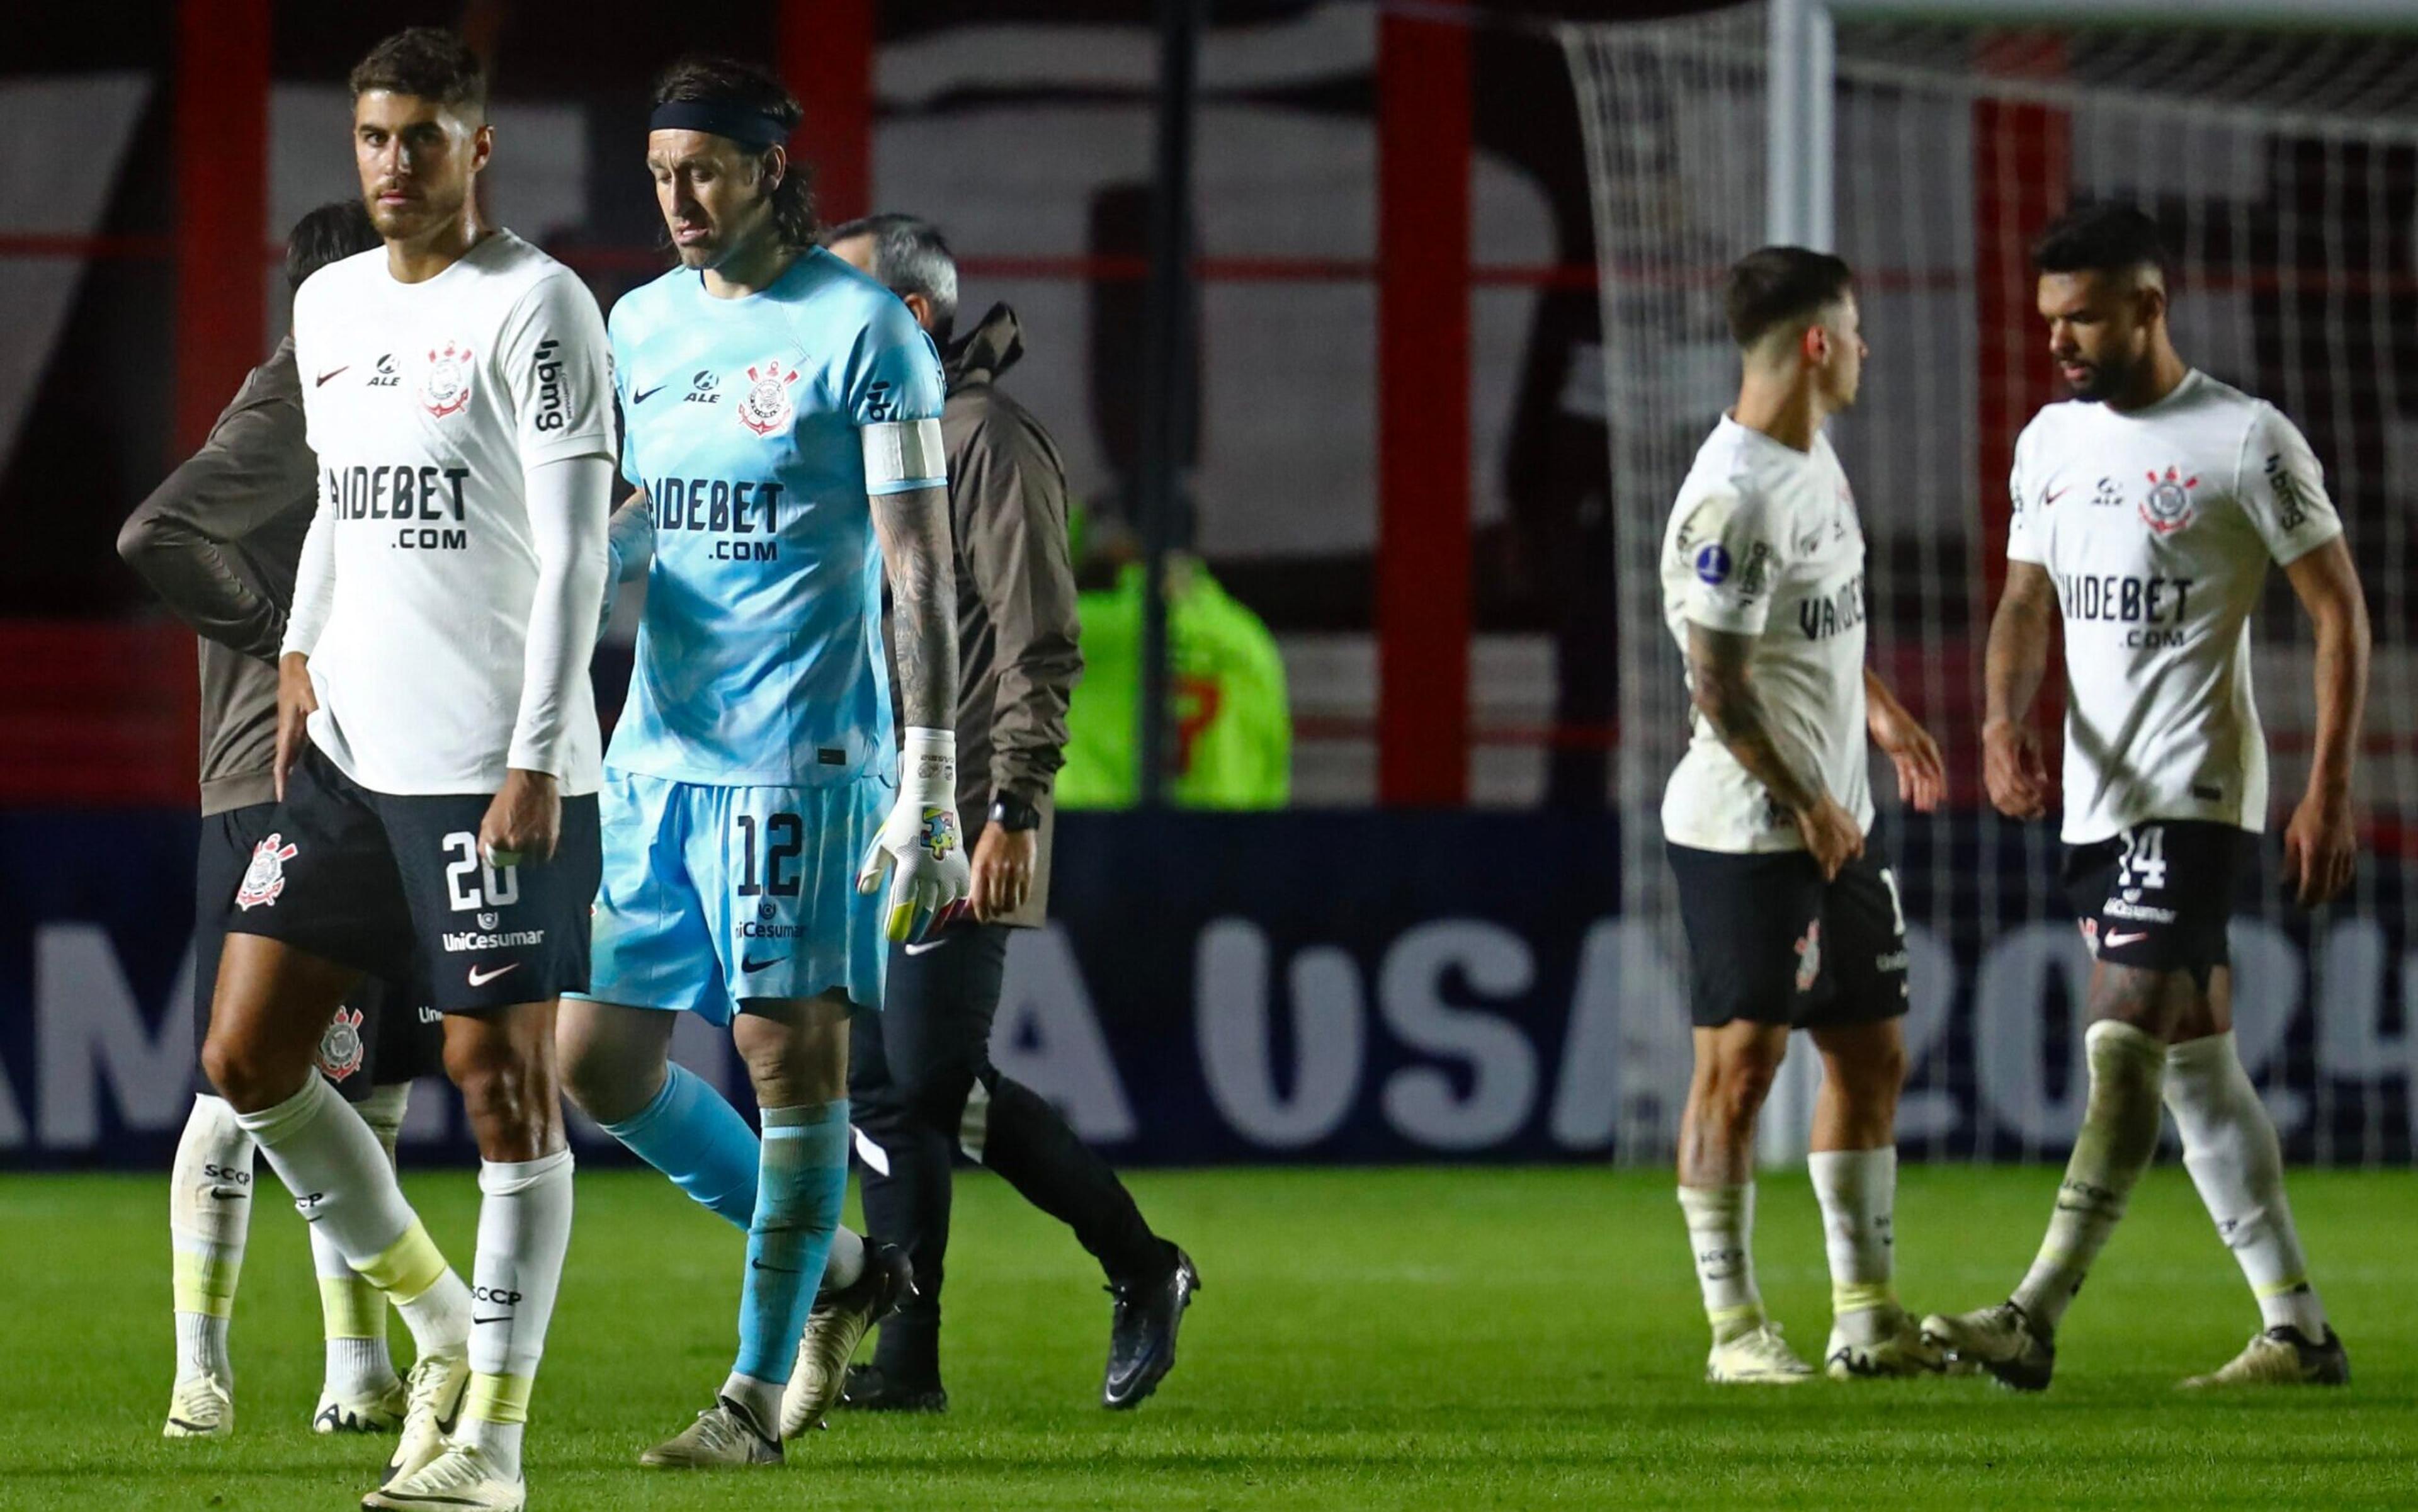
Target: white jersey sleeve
<point x="569" y="507"/>
<point x="1733" y="561"/>
<point x="2019" y="530"/>
<point x="315" y="583"/>
<point x="315" y="573"/>
<point x="557" y="366"/>
<point x="2282" y="487"/>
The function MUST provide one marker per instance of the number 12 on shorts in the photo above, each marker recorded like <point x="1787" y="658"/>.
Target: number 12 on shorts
<point x="495" y="887"/>
<point x="785" y="837"/>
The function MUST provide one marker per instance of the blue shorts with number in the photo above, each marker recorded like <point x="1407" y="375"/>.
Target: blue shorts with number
<point x="713" y="894"/>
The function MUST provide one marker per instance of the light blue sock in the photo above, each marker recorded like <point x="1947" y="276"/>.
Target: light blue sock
<point x="799" y="1190"/>
<point x="696" y="1138"/>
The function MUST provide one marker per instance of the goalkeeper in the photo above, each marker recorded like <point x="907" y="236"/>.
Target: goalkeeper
<point x="746" y="789"/>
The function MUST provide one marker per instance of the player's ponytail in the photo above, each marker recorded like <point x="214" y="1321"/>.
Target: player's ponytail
<point x="745" y="103"/>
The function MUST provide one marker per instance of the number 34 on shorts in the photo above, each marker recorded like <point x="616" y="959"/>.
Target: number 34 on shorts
<point x="2158" y="895"/>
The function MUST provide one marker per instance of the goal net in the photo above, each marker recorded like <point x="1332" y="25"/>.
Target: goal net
<point x="2283" y="167"/>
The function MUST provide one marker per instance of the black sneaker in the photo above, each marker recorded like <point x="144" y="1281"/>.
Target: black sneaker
<point x="869" y="1390"/>
<point x="2282" y="1356"/>
<point x="1141" y="1332"/>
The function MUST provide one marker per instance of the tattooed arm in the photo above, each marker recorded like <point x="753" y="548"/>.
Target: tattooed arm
<point x="2014" y="665"/>
<point x="921" y="848"/>
<point x="1723" y="685"/>
<point x="917" y="555"/>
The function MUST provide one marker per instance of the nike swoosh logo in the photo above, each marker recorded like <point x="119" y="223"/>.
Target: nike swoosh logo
<point x="478" y="1321"/>
<point x="750" y="963"/>
<point x="644" y="395"/>
<point x="777" y="1270"/>
<point x="2126" y="940"/>
<point x="2052" y="499"/>
<point x="190" y="1428"/>
<point x="920" y="947"/>
<point x="480" y="978"/>
<point x="329" y="374"/>
<point x="224" y="1195"/>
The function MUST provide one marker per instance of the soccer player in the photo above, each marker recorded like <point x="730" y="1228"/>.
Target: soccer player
<point x="923" y="1086"/>
<point x="219" y="540"/>
<point x="2145" y="509"/>
<point x="1792" y="922"/>
<point x="781" y="424"/>
<point x="437" y="749"/>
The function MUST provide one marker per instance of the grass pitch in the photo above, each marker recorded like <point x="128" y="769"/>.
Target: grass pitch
<point x="1367" y="1338"/>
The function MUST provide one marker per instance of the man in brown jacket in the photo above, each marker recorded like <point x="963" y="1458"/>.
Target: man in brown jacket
<point x="218" y="540"/>
<point x="925" y="1087"/>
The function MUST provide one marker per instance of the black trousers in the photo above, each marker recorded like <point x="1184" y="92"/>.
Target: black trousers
<point x="922" y="1087"/>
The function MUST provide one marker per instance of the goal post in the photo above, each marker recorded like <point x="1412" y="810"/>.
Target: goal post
<point x="1928" y="142"/>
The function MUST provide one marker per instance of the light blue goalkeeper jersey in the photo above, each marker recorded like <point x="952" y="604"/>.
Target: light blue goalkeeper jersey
<point x="759" y="657"/>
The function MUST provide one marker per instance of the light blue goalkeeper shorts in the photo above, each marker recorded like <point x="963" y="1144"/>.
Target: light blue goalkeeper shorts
<point x="712" y="895"/>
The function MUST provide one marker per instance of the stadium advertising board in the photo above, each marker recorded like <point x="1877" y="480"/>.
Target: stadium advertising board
<point x="1315" y="987"/>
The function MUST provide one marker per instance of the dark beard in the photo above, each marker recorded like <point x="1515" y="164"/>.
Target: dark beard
<point x="2105" y="381"/>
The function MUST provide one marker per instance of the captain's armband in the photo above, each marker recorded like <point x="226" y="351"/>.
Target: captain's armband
<point x="902" y="455"/>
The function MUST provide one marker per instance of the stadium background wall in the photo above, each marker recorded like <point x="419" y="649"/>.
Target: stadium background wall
<point x="1332" y="987"/>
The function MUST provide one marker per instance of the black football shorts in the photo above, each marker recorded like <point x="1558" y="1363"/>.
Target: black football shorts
<point x="394" y="886"/>
<point x="2158" y="895"/>
<point x="1769" y="941"/>
<point x="378" y="1037"/>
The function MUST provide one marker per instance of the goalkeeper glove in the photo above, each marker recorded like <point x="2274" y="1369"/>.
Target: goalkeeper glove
<point x="920" y="845"/>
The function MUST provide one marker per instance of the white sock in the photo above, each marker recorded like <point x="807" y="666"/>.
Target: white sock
<point x="846" y="1266"/>
<point x="2118" y="1139"/>
<point x="1858" y="1190"/>
<point x="210" y="1214"/>
<point x="383" y="1110"/>
<point x="329" y="1158"/>
<point x="352" y="1316"/>
<point x="352" y="1311"/>
<point x="761" y="1399"/>
<point x="2231" y="1149"/>
<point x="499" y="1438"/>
<point x="201" y="1346"/>
<point x="524" y="1228"/>
<point x="1721" y="1233"/>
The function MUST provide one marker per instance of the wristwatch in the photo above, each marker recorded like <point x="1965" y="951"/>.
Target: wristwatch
<point x="1010" y="812"/>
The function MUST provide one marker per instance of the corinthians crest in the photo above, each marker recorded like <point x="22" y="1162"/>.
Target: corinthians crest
<point x="1809" y="956"/>
<point x="445" y="389"/>
<point x="766" y="408"/>
<point x="265" y="878"/>
<point x="2169" y="506"/>
<point x="340" y="1048"/>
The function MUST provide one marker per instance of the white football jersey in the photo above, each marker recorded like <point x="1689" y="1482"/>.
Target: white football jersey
<point x="1764" y="542"/>
<point x="426" y="403"/>
<point x="2157" y="526"/>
